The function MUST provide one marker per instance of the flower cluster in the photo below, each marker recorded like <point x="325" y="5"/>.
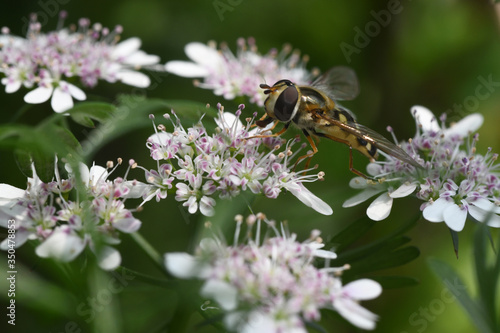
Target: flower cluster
<point x="455" y="180"/>
<point x="273" y="286"/>
<point x="232" y="160"/>
<point x="231" y="75"/>
<point x="64" y="226"/>
<point x="48" y="61"/>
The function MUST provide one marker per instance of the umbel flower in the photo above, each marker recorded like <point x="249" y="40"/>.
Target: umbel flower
<point x="272" y="286"/>
<point x="455" y="182"/>
<point x="49" y="63"/>
<point x="64" y="227"/>
<point x="232" y="75"/>
<point x="200" y="166"/>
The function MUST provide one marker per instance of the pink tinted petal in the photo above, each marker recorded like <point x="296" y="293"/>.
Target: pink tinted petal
<point x="38" y="95"/>
<point x="455" y="217"/>
<point x="380" y="208"/>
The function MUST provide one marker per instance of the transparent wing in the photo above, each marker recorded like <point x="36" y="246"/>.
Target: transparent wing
<point x="375" y="139"/>
<point x="339" y="83"/>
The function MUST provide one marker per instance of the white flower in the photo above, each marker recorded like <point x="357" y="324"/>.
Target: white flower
<point x="63" y="245"/>
<point x="455" y="182"/>
<point x="62" y="95"/>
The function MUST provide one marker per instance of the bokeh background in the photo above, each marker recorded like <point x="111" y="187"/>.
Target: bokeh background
<point x="431" y="53"/>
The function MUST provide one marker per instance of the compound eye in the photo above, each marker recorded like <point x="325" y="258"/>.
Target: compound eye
<point x="285" y="104"/>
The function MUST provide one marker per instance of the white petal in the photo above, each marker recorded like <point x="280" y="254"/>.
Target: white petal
<point x="38" y="95"/>
<point x="203" y="54"/>
<point x="97" y="174"/>
<point x="140" y="58"/>
<point x="186" y="69"/>
<point x="61" y="101"/>
<point x="358" y="183"/>
<point x="356" y="314"/>
<point x="10" y="194"/>
<point x="325" y="254"/>
<point x="465" y="126"/>
<point x="128" y="225"/>
<point x="425" y="118"/>
<point x="136" y="189"/>
<point x="361" y="197"/>
<point x="61" y="245"/>
<point x="403" y="191"/>
<point x="182" y="265"/>
<point x="133" y="78"/>
<point x="207" y="206"/>
<point x="380" y="208"/>
<point x="310" y="200"/>
<point x="363" y="289"/>
<point x="126" y="47"/>
<point x="434" y="211"/>
<point x="12" y="87"/>
<point x="455" y="217"/>
<point x="228" y="120"/>
<point x="22" y="236"/>
<point x="76" y="92"/>
<point x="224" y="293"/>
<point x="482" y="215"/>
<point x="486" y="205"/>
<point x="109" y="258"/>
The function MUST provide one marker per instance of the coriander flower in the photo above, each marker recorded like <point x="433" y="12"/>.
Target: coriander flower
<point x="272" y="285"/>
<point x="456" y="182"/>
<point x="63" y="227"/>
<point x="199" y="166"/>
<point x="49" y="62"/>
<point x="231" y="75"/>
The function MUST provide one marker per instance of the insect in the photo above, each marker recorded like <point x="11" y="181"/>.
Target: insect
<point x="314" y="110"/>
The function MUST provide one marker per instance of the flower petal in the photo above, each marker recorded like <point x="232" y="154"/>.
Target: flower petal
<point x="224" y="293"/>
<point x="182" y="265"/>
<point x="455" y="217"/>
<point x="10" y="194"/>
<point x="361" y="197"/>
<point x="203" y="54"/>
<point x="126" y="47"/>
<point x="482" y="215"/>
<point x="133" y="78"/>
<point x="109" y="258"/>
<point x="309" y="199"/>
<point x="434" y="211"/>
<point x="425" y="118"/>
<point x="465" y="126"/>
<point x="356" y="314"/>
<point x="186" y="69"/>
<point x="76" y="92"/>
<point x="404" y="190"/>
<point x="61" y="245"/>
<point x="61" y="101"/>
<point x="380" y="208"/>
<point x="128" y="225"/>
<point x="39" y="95"/>
<point x="486" y="205"/>
<point x="363" y="289"/>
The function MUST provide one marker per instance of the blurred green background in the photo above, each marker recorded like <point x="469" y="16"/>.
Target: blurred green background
<point x="431" y="53"/>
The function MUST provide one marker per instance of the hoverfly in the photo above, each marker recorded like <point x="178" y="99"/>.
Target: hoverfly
<point x="314" y="110"/>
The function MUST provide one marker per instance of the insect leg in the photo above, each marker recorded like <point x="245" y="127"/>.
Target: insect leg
<point x="351" y="167"/>
<point x="308" y="155"/>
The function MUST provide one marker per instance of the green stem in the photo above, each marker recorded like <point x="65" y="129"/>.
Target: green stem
<point x="149" y="250"/>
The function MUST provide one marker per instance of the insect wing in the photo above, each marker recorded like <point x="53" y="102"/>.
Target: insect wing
<point x="339" y="83"/>
<point x="376" y="139"/>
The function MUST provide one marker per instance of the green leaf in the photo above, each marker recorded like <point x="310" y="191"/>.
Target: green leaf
<point x="379" y="261"/>
<point x="350" y="234"/>
<point x="84" y="113"/>
<point x="449" y="277"/>
<point x="392" y="282"/>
